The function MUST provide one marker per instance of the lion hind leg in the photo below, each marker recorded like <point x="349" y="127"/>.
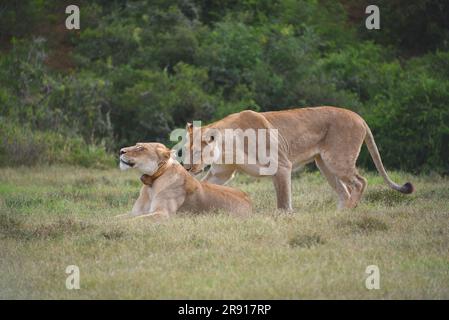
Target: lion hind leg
<point x="349" y="184"/>
<point x="359" y="186"/>
<point x="344" y="195"/>
<point x="356" y="185"/>
<point x="343" y="191"/>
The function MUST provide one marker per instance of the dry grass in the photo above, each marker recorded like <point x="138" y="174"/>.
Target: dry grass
<point x="59" y="216"/>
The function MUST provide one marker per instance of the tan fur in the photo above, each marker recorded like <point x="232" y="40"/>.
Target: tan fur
<point x="174" y="189"/>
<point x="332" y="137"/>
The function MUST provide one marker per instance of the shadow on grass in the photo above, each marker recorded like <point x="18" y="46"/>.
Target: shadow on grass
<point x="306" y="240"/>
<point x="388" y="197"/>
<point x="363" y="225"/>
<point x="11" y="227"/>
<point x="114" y="234"/>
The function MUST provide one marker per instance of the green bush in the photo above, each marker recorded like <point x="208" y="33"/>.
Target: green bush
<point x="156" y="102"/>
<point x="20" y="145"/>
<point x="411" y="124"/>
<point x="365" y="69"/>
<point x="76" y="105"/>
<point x="138" y="69"/>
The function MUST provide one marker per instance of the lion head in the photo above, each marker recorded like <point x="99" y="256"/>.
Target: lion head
<point x="203" y="152"/>
<point x="145" y="157"/>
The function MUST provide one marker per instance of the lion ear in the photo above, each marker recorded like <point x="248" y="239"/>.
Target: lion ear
<point x="165" y="153"/>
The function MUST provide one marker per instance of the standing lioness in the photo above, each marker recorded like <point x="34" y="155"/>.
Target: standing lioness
<point x="332" y="137"/>
<point x="168" y="187"/>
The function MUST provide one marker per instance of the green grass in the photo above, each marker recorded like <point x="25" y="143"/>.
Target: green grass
<point x="52" y="217"/>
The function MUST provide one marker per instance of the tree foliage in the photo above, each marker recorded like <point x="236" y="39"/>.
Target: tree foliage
<point x="138" y="69"/>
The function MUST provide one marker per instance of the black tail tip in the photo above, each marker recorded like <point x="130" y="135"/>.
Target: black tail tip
<point x="407" y="188"/>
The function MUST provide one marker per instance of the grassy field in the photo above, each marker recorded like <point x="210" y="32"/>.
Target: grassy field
<point x="58" y="216"/>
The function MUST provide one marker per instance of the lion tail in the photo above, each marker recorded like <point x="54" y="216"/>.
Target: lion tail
<point x="375" y="155"/>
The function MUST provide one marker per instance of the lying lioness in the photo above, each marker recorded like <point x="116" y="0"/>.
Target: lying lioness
<point x="332" y="137"/>
<point x="168" y="187"/>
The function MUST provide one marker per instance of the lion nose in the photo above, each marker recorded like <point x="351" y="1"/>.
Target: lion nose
<point x="122" y="151"/>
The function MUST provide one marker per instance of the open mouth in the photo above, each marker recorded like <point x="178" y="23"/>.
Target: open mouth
<point x="129" y="164"/>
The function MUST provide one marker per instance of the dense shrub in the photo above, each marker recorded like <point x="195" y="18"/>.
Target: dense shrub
<point x="20" y="145"/>
<point x="76" y="105"/>
<point x="150" y="107"/>
<point x="138" y="69"/>
<point x="412" y="124"/>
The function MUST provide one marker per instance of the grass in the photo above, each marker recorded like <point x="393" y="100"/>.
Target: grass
<point x="52" y="217"/>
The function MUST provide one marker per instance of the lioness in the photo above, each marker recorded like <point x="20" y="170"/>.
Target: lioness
<point x="168" y="187"/>
<point x="330" y="136"/>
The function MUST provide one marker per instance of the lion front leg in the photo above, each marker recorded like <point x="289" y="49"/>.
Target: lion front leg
<point x="162" y="207"/>
<point x="141" y="206"/>
<point x="282" y="183"/>
<point x="157" y="216"/>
